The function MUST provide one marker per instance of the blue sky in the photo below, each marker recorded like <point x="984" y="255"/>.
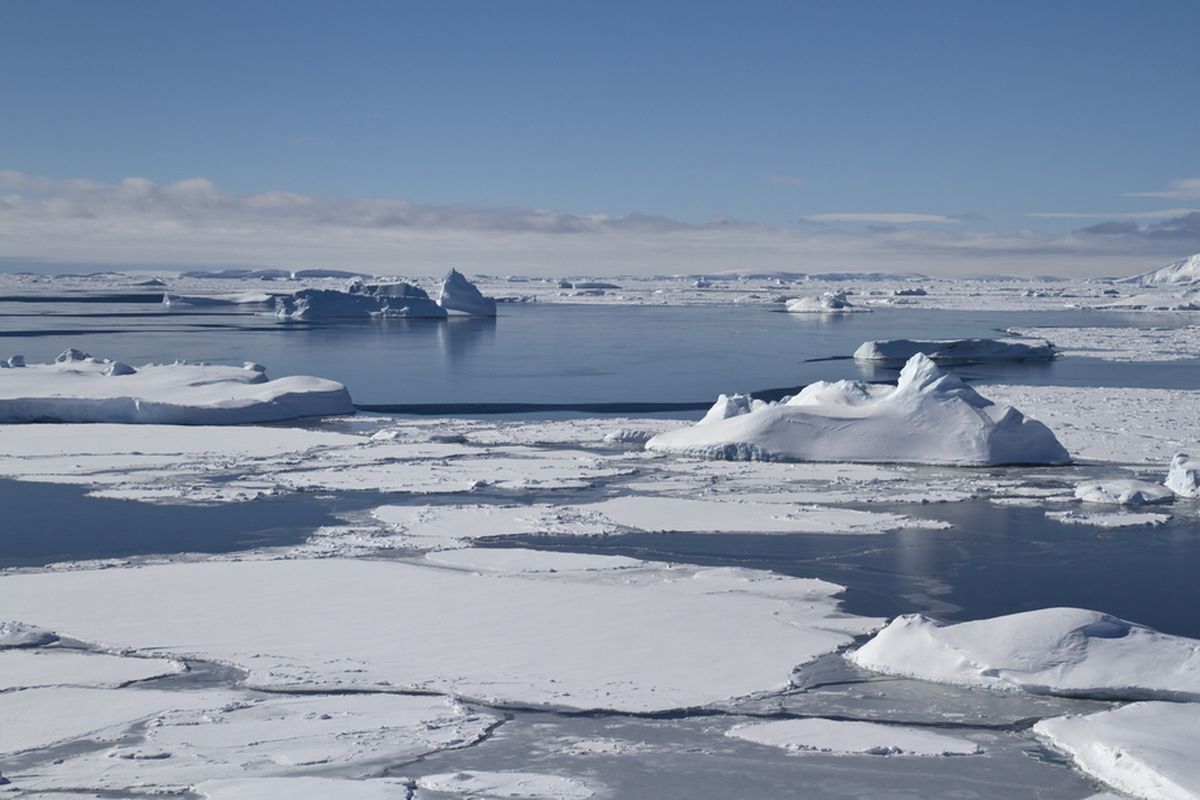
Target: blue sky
<point x="848" y="128"/>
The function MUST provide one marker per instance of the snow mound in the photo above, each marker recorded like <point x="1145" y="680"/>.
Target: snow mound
<point x="827" y="303"/>
<point x="459" y="296"/>
<point x="852" y="738"/>
<point x="1124" y="493"/>
<point x="18" y="634"/>
<point x="930" y="417"/>
<point x="1059" y="651"/>
<point x="522" y="785"/>
<point x="79" y="388"/>
<point x="361" y="301"/>
<point x="1149" y="750"/>
<point x="1185" y="271"/>
<point x="1184" y="476"/>
<point x="956" y="350"/>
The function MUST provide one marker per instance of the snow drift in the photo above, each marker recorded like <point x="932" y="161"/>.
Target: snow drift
<point x="956" y="350"/>
<point x="929" y="417"/>
<point x="459" y="296"/>
<point x="79" y="388"/>
<point x="1060" y="651"/>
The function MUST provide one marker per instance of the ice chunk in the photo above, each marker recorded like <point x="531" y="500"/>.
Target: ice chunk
<point x="929" y="417"/>
<point x="18" y="634"/>
<point x="853" y="738"/>
<point x="16" y="361"/>
<point x="76" y="389"/>
<point x="1184" y="476"/>
<point x="459" y="296"/>
<point x="1149" y="750"/>
<point x="828" y="303"/>
<point x="1123" y="493"/>
<point x="956" y="350"/>
<point x="1062" y="651"/>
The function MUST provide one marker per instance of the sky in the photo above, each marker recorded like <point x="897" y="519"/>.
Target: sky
<point x="575" y="138"/>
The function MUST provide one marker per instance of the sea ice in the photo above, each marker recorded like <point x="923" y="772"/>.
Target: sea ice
<point x="31" y="668"/>
<point x="1124" y="493"/>
<point x="18" y="634"/>
<point x="504" y="786"/>
<point x="306" y="788"/>
<point x="1063" y="651"/>
<point x="459" y="296"/>
<point x="930" y="417"/>
<point x="852" y="738"/>
<point x="79" y="388"/>
<point x="1109" y="520"/>
<point x="1148" y="750"/>
<point x="956" y="350"/>
<point x="1184" y="476"/>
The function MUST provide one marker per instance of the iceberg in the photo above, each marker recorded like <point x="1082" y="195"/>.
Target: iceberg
<point x="956" y="350"/>
<point x="1184" y="476"/>
<point x="1058" y="651"/>
<point x="929" y="417"/>
<point x="360" y="300"/>
<point x="459" y="296"/>
<point x="1124" y="493"/>
<point x="79" y="388"/>
<point x="1149" y="750"/>
<point x="1186" y="272"/>
<point x="828" y="303"/>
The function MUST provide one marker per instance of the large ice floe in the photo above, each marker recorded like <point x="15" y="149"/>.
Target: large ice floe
<point x="956" y="350"/>
<point x="79" y="388"/>
<point x="459" y="296"/>
<point x="1147" y="750"/>
<point x="929" y="417"/>
<point x="1060" y="651"/>
<point x="846" y="737"/>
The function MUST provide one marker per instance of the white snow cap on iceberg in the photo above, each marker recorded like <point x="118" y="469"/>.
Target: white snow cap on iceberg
<point x="1186" y="271"/>
<point x="929" y="417"/>
<point x="459" y="296"/>
<point x="1184" y="476"/>
<point x="1062" y="651"/>
<point x="960" y="350"/>
<point x="79" y="388"/>
<point x="1124" y="493"/>
<point x="1149" y="750"/>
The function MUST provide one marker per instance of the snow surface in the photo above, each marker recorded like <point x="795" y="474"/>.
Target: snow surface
<point x="459" y="296"/>
<point x="956" y="350"/>
<point x="930" y="417"/>
<point x="1184" y="476"/>
<point x="30" y="668"/>
<point x="1063" y="651"/>
<point x="852" y="738"/>
<point x="594" y="639"/>
<point x="1149" y="750"/>
<point x="499" y="785"/>
<point x="79" y="388"/>
<point x="1124" y="493"/>
<point x="19" y="634"/>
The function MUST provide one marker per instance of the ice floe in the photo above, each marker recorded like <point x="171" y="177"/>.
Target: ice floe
<point x="1122" y="343"/>
<point x="955" y="350"/>
<point x="930" y="417"/>
<point x="31" y="668"/>
<point x="1184" y="476"/>
<point x="843" y="737"/>
<point x="504" y="785"/>
<point x="1110" y="520"/>
<point x="1063" y="651"/>
<point x="459" y="296"/>
<point x="1149" y="750"/>
<point x="79" y="388"/>
<point x="306" y="788"/>
<point x="1124" y="493"/>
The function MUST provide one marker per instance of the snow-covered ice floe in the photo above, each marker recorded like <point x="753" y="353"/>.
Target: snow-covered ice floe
<point x="1145" y="519"/>
<point x="514" y="785"/>
<point x="589" y="639"/>
<point x="360" y="300"/>
<point x="1149" y="750"/>
<point x="842" y="737"/>
<point x="230" y="299"/>
<point x="1061" y="651"/>
<point x="458" y="295"/>
<point x="1124" y="493"/>
<point x="79" y="388"/>
<point x="956" y="350"/>
<point x="827" y="303"/>
<point x="929" y="417"/>
<point x="1184" y="476"/>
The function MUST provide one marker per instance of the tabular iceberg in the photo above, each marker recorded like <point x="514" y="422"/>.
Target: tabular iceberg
<point x="929" y="417"/>
<point x="79" y="388"/>
<point x="459" y="296"/>
<point x="956" y="350"/>
<point x="360" y="300"/>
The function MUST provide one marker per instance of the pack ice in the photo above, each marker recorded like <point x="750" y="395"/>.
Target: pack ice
<point x="956" y="350"/>
<point x="79" y="388"/>
<point x="929" y="417"/>
<point x="1060" y="651"/>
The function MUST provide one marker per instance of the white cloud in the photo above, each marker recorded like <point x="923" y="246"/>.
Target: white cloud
<point x="1186" y="187"/>
<point x="194" y="222"/>
<point x="1166" y="213"/>
<point x="886" y="218"/>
